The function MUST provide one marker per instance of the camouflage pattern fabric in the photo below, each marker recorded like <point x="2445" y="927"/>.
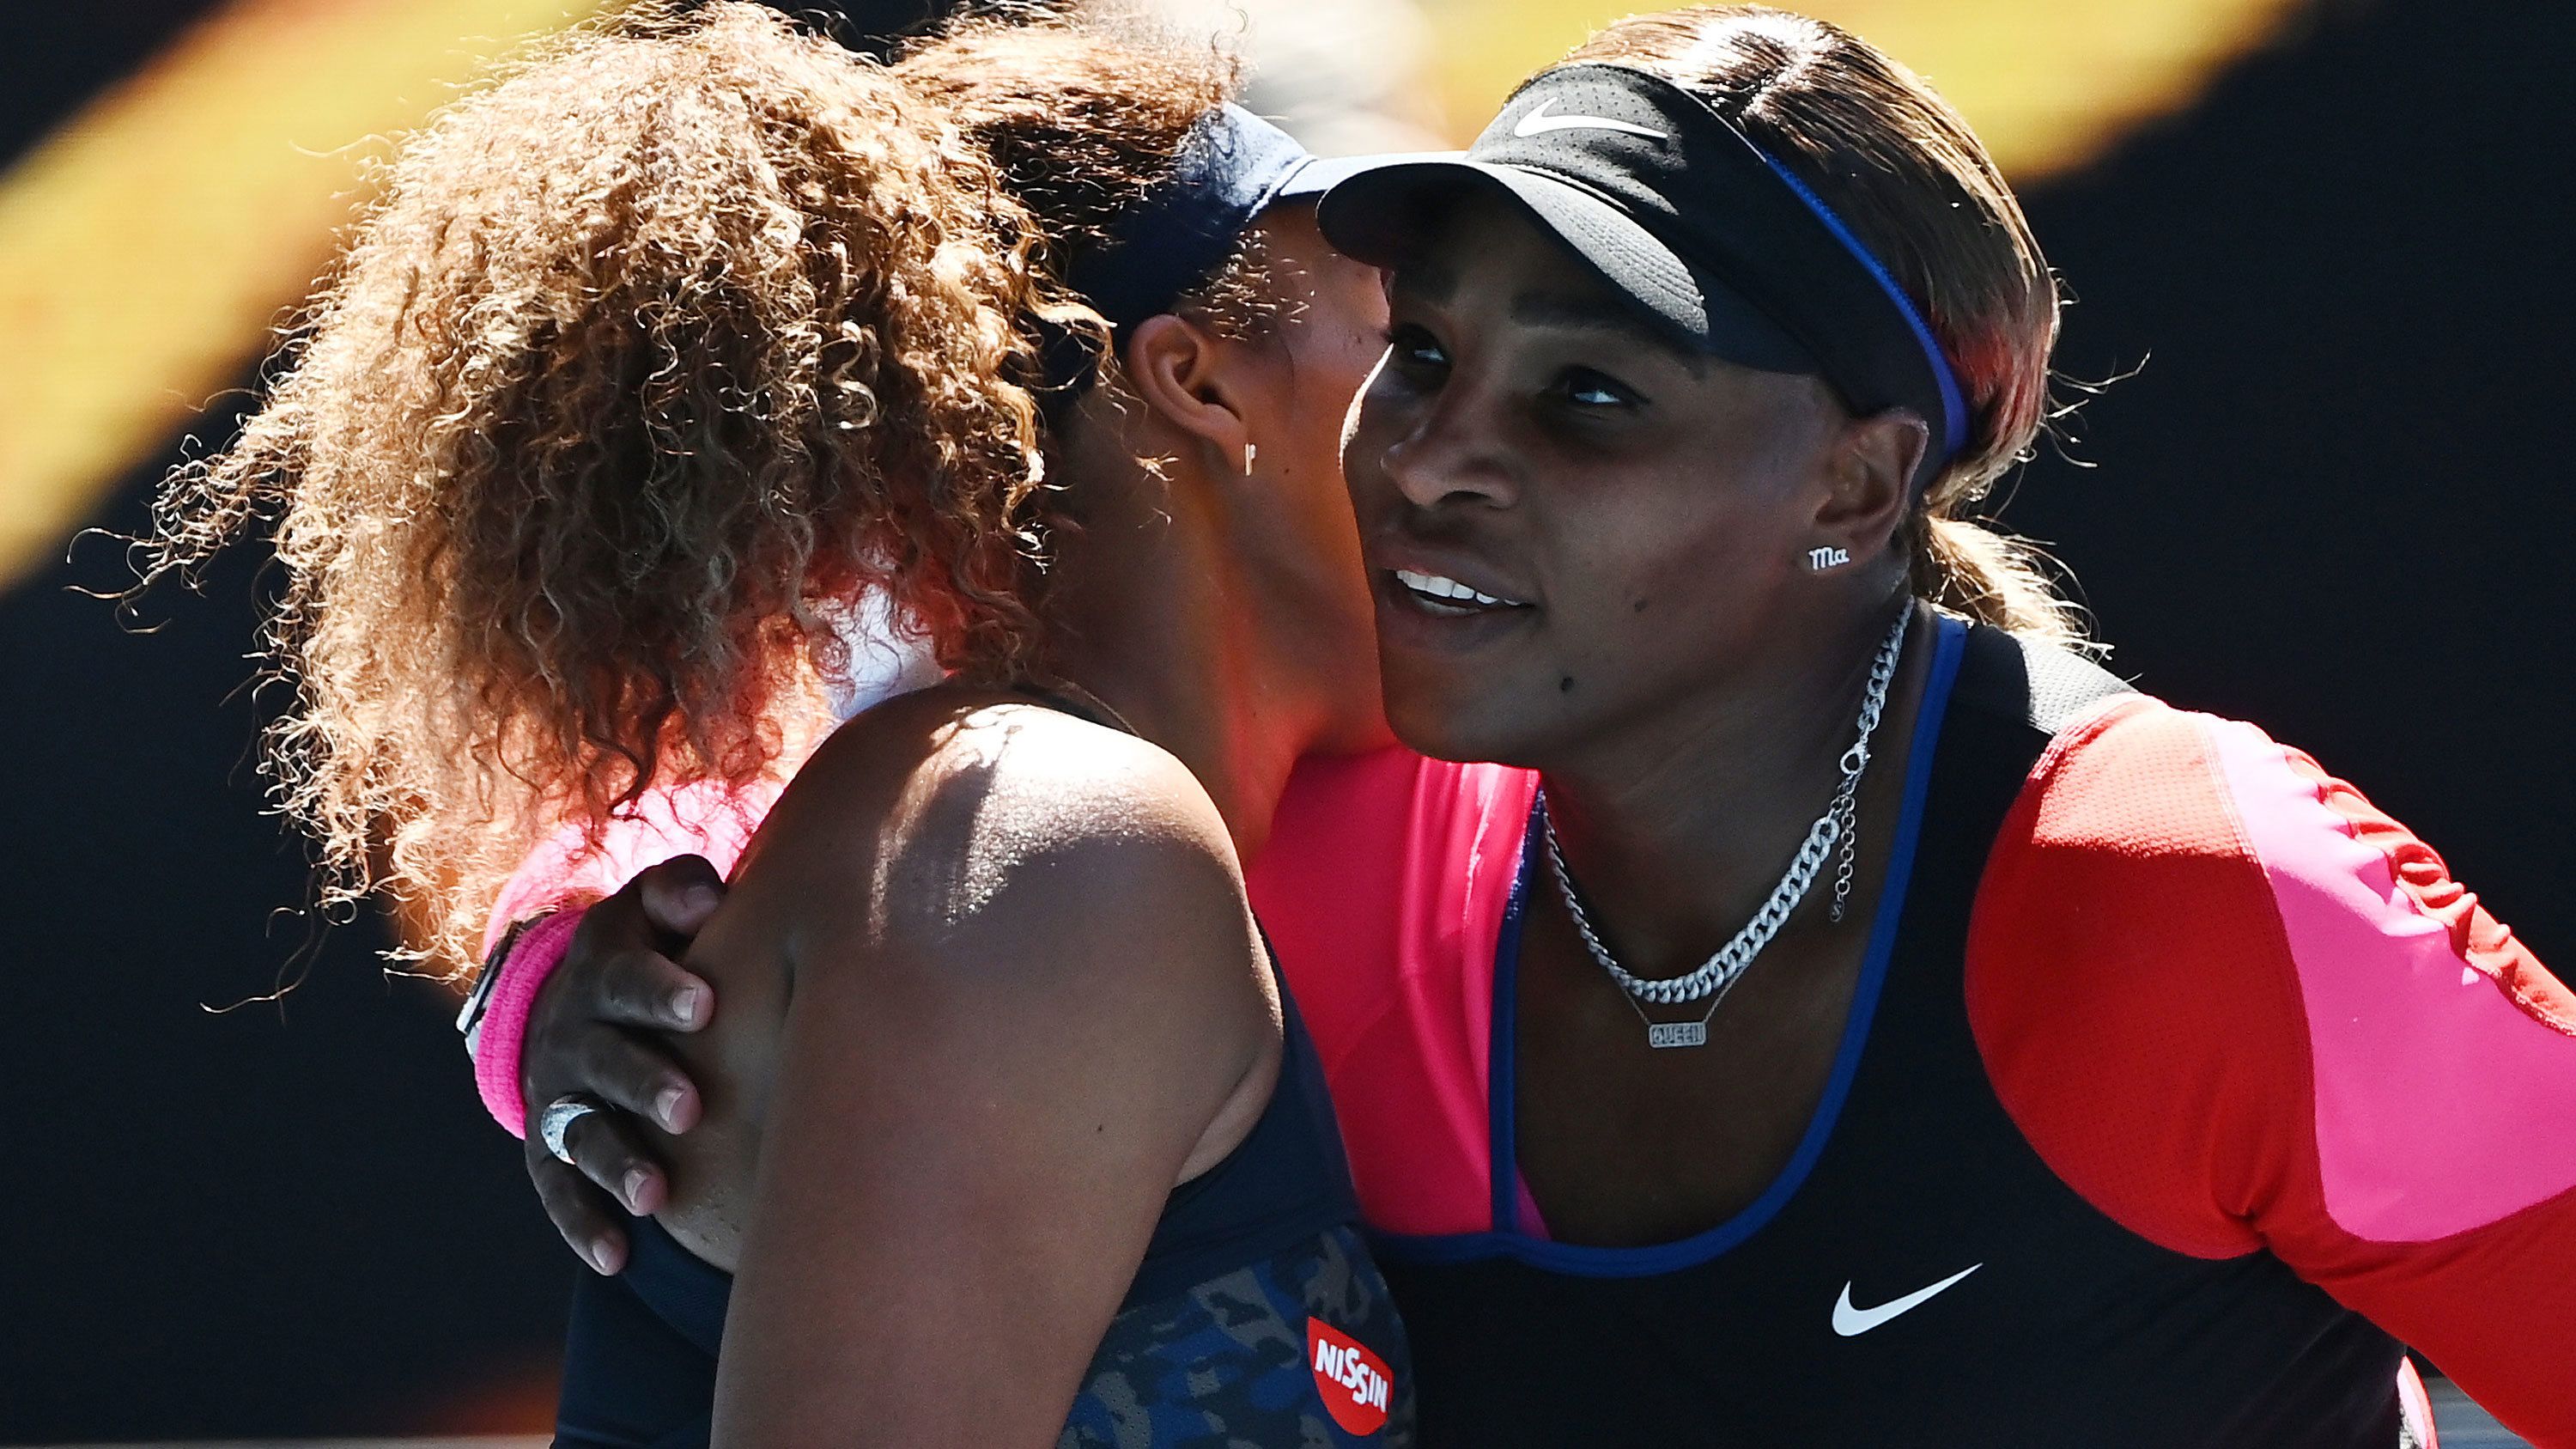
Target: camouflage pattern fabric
<point x="1299" y="1351"/>
<point x="1236" y="1362"/>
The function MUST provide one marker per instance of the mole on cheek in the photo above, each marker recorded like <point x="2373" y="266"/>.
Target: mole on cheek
<point x="1565" y="685"/>
<point x="1637" y="607"/>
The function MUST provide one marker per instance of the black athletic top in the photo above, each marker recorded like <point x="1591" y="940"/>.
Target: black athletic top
<point x="1917" y="1275"/>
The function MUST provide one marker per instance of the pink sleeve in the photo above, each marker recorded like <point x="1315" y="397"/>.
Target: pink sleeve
<point x="2238" y="1008"/>
<point x="1383" y="889"/>
<point x="565" y="872"/>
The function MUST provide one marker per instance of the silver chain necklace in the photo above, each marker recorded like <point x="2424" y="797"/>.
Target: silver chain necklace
<point x="1839" y="825"/>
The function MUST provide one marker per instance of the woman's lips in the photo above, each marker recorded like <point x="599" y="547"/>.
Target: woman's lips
<point x="1441" y="594"/>
<point x="1420" y="609"/>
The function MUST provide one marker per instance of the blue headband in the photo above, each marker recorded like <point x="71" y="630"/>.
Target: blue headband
<point x="1232" y="167"/>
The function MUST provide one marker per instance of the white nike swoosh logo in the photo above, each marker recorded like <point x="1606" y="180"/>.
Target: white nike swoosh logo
<point x="1852" y="1322"/>
<point x="1539" y="122"/>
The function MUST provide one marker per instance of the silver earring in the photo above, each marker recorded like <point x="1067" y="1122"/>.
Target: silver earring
<point x="1248" y="451"/>
<point x="1825" y="559"/>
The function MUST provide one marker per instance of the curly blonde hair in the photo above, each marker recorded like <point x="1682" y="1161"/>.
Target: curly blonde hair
<point x="683" y="332"/>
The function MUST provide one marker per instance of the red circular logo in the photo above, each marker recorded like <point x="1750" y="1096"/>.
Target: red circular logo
<point x="1353" y="1381"/>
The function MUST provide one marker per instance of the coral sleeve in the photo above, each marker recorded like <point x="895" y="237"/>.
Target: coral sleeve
<point x="2239" y="1009"/>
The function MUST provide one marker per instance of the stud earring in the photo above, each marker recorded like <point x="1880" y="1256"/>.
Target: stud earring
<point x="1825" y="559"/>
<point x="1248" y="451"/>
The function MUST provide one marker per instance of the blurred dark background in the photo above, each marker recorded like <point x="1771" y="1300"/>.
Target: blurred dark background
<point x="2331" y="500"/>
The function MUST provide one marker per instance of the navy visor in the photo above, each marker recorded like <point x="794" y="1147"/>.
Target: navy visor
<point x="1234" y="166"/>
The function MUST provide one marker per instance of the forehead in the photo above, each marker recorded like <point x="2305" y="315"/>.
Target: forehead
<point x="1485" y="254"/>
<point x="1301" y="267"/>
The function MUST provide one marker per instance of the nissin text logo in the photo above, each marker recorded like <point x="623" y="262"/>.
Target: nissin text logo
<point x="1353" y="1381"/>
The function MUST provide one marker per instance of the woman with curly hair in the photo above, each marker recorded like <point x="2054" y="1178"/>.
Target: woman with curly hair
<point x="659" y="358"/>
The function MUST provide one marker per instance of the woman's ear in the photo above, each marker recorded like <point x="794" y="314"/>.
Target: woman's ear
<point x="1871" y="481"/>
<point x="1192" y="382"/>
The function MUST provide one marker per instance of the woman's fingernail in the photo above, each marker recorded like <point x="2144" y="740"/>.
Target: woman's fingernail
<point x="600" y="1260"/>
<point x="666" y="1107"/>
<point x="686" y="1003"/>
<point x="700" y="900"/>
<point x="635" y="1182"/>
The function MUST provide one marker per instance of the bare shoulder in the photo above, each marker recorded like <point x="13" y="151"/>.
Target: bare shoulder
<point x="965" y="894"/>
<point x="963" y="820"/>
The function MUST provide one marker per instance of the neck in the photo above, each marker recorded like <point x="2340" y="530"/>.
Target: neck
<point x="1678" y="827"/>
<point x="1145" y="615"/>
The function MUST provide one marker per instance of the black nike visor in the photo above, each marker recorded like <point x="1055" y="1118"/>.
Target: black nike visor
<point x="1710" y="239"/>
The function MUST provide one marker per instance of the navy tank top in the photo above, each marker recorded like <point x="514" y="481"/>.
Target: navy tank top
<point x="1257" y="1316"/>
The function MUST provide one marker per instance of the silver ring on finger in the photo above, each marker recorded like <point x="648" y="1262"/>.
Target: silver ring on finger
<point x="558" y="1118"/>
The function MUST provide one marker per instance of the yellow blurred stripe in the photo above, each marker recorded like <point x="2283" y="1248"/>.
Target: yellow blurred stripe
<point x="2047" y="83"/>
<point x="148" y="245"/>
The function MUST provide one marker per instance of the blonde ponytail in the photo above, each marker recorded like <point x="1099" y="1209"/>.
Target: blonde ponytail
<point x="1993" y="578"/>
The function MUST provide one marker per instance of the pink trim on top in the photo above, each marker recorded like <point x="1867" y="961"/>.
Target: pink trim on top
<point x="2393" y="1008"/>
<point x="2416" y="1405"/>
<point x="533" y="958"/>
<point x="1461" y="859"/>
<point x="705" y="818"/>
<point x="1532" y="1224"/>
<point x="1383" y="887"/>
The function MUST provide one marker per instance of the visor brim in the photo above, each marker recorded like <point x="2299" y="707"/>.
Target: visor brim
<point x="1315" y="175"/>
<point x="1383" y="214"/>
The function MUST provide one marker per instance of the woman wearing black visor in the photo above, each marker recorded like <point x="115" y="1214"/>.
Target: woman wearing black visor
<point x="1898" y="1031"/>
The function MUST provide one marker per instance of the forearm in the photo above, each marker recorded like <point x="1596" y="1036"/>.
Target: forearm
<point x="557" y="879"/>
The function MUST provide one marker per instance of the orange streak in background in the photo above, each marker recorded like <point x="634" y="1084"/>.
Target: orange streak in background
<point x="148" y="246"/>
<point x="2049" y="84"/>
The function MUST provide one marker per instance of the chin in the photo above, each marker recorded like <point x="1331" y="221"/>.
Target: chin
<point x="1478" y="728"/>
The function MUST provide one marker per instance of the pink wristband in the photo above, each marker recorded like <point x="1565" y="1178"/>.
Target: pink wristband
<point x="531" y="959"/>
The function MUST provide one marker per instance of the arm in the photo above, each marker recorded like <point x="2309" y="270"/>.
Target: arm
<point x="1008" y="1033"/>
<point x="562" y="874"/>
<point x="2263" y="1016"/>
<point x="576" y="1001"/>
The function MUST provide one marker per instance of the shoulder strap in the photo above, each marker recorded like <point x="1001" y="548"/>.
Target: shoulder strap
<point x="2047" y="685"/>
<point x="2065" y="684"/>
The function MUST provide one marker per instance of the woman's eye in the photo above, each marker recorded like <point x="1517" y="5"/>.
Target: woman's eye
<point x="1414" y="348"/>
<point x="1585" y="388"/>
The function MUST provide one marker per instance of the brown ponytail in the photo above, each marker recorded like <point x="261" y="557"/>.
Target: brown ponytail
<point x="1913" y="182"/>
<point x="685" y="331"/>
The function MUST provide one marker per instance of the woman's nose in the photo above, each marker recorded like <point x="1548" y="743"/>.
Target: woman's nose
<point x="1449" y="455"/>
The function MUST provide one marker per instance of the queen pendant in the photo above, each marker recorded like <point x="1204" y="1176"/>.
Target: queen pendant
<point x="1676" y="1033"/>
